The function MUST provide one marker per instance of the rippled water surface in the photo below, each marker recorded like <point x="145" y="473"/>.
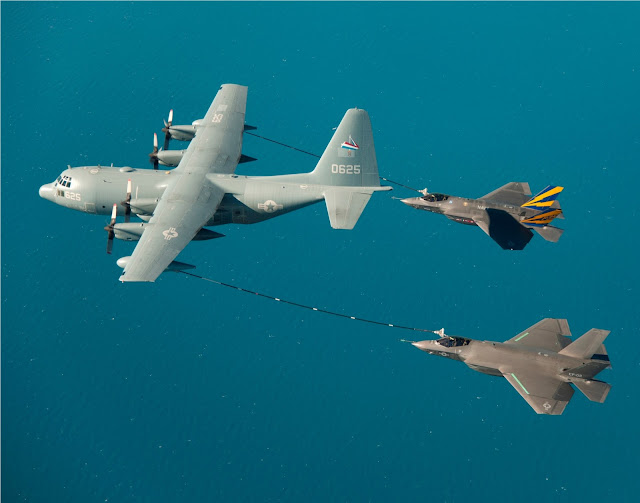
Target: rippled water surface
<point x="185" y="391"/>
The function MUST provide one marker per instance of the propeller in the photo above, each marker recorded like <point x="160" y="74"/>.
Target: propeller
<point x="127" y="203"/>
<point x="167" y="130"/>
<point x="109" y="228"/>
<point x="153" y="156"/>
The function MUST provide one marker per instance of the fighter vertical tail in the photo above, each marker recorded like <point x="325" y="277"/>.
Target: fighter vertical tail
<point x="544" y="200"/>
<point x="587" y="345"/>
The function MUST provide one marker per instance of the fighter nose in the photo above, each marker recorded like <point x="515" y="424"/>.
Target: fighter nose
<point x="411" y="201"/>
<point x="423" y="345"/>
<point x="46" y="192"/>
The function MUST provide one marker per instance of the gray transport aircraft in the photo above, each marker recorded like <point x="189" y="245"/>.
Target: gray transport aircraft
<point x="541" y="363"/>
<point x="176" y="205"/>
<point x="507" y="214"/>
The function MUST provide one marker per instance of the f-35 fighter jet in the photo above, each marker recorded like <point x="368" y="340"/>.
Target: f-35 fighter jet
<point x="541" y="363"/>
<point x="507" y="214"/>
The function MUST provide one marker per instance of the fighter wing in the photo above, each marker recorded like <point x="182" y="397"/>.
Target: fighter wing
<point x="503" y="229"/>
<point x="551" y="333"/>
<point x="545" y="394"/>
<point x="516" y="193"/>
<point x="175" y="222"/>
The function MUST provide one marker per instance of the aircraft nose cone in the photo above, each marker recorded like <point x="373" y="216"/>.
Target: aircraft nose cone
<point x="410" y="201"/>
<point x="46" y="192"/>
<point x="422" y="345"/>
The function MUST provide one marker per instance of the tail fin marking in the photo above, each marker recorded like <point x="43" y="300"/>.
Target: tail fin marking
<point x="544" y="199"/>
<point x="350" y="158"/>
<point x="543" y="218"/>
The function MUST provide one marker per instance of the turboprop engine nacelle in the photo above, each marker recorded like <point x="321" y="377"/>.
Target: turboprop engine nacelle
<point x="132" y="231"/>
<point x="170" y="157"/>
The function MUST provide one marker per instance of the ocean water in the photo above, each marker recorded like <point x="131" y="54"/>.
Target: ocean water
<point x="186" y="391"/>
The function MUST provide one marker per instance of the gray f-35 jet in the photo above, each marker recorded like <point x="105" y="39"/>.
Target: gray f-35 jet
<point x="541" y="363"/>
<point x="507" y="214"/>
<point x="175" y="206"/>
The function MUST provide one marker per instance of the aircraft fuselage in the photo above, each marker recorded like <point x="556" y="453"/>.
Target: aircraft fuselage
<point x="247" y="200"/>
<point x="489" y="357"/>
<point x="463" y="210"/>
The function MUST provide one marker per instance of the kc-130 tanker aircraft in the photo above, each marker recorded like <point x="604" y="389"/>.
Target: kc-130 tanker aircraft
<point x="507" y="214"/>
<point x="541" y="363"/>
<point x="203" y="190"/>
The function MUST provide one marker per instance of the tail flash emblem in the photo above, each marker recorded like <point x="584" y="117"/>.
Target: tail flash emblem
<point x="544" y="199"/>
<point x="350" y="145"/>
<point x="541" y="219"/>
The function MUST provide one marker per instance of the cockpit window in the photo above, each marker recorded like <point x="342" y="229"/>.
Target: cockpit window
<point x="435" y="197"/>
<point x="64" y="180"/>
<point x="451" y="342"/>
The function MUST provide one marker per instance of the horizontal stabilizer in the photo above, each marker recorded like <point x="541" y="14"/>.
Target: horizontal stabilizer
<point x="345" y="206"/>
<point x="549" y="232"/>
<point x="247" y="127"/>
<point x="586" y="345"/>
<point x="596" y="391"/>
<point x="246" y="158"/>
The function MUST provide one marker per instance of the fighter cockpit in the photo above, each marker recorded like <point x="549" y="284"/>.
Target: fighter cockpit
<point x="451" y="342"/>
<point x="432" y="198"/>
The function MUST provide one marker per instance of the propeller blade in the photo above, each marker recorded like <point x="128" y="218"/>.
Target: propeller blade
<point x="153" y="156"/>
<point x="127" y="203"/>
<point x="109" y="229"/>
<point x="110" y="243"/>
<point x="114" y="213"/>
<point x="167" y="130"/>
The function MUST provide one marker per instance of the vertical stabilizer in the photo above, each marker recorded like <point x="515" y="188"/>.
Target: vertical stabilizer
<point x="350" y="158"/>
<point x="544" y="199"/>
<point x="586" y="345"/>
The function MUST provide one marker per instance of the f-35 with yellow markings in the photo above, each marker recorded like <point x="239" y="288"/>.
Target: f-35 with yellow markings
<point x="541" y="363"/>
<point x="508" y="215"/>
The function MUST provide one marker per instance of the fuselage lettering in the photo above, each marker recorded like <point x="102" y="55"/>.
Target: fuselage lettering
<point x="74" y="196"/>
<point x="345" y="169"/>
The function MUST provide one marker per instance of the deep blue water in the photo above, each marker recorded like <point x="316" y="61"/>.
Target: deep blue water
<point x="185" y="391"/>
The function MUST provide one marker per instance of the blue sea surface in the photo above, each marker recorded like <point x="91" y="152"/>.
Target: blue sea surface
<point x="181" y="390"/>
